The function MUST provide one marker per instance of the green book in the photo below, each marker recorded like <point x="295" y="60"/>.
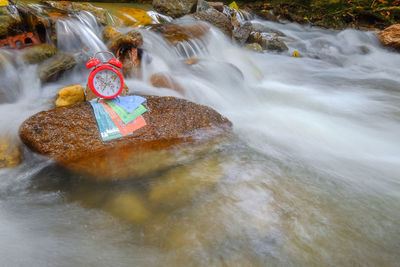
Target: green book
<point x="124" y="115"/>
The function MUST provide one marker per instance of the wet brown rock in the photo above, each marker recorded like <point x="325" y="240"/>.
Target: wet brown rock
<point x="175" y="33"/>
<point x="216" y="19"/>
<point x="161" y="80"/>
<point x="89" y="95"/>
<point x="176" y="130"/>
<point x="175" y="8"/>
<point x="39" y="53"/>
<point x="390" y="36"/>
<point x="53" y="68"/>
<point x="110" y="33"/>
<point x="132" y="39"/>
<point x="10" y="152"/>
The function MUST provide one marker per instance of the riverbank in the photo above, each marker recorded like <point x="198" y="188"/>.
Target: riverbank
<point x="333" y="14"/>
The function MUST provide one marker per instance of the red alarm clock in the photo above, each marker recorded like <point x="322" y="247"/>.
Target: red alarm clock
<point x="105" y="80"/>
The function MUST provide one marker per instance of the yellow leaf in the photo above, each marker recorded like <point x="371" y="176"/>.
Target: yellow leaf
<point x="3" y="2"/>
<point x="234" y="5"/>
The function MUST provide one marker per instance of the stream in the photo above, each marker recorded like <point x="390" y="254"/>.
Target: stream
<point x="311" y="178"/>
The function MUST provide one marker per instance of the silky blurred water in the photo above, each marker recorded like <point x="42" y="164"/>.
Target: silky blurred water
<point x="310" y="179"/>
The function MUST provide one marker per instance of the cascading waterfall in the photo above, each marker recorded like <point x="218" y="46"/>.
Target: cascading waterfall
<point x="311" y="178"/>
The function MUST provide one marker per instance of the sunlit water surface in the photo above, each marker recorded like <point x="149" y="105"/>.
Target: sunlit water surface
<point x="310" y="179"/>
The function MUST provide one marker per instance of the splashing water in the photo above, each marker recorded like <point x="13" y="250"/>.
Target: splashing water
<point x="312" y="177"/>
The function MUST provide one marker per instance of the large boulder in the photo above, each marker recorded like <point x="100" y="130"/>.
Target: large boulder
<point x="177" y="130"/>
<point x="175" y="8"/>
<point x="217" y="19"/>
<point x="390" y="36"/>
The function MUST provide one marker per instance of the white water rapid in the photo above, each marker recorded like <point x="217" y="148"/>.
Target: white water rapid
<point x="312" y="177"/>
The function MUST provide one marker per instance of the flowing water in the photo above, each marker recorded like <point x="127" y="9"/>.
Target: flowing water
<point x="312" y="177"/>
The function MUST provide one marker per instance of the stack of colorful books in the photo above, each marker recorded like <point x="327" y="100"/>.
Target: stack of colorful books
<point x="120" y="116"/>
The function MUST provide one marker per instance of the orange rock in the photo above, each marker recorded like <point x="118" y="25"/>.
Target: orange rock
<point x="191" y="61"/>
<point x="390" y="36"/>
<point x="132" y="17"/>
<point x="161" y="80"/>
<point x="110" y="33"/>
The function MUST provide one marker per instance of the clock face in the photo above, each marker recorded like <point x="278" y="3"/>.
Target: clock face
<point x="107" y="83"/>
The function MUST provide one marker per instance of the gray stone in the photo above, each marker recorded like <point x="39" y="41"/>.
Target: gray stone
<point x="217" y="19"/>
<point x="274" y="44"/>
<point x="241" y="33"/>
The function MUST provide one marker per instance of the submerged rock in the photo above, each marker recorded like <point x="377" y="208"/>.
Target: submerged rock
<point x="161" y="80"/>
<point x="39" y="53"/>
<point x="390" y="36"/>
<point x="217" y="19"/>
<point x="175" y="8"/>
<point x="176" y="130"/>
<point x="10" y="152"/>
<point x="254" y="47"/>
<point x="70" y="95"/>
<point x="179" y="185"/>
<point x="53" y="68"/>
